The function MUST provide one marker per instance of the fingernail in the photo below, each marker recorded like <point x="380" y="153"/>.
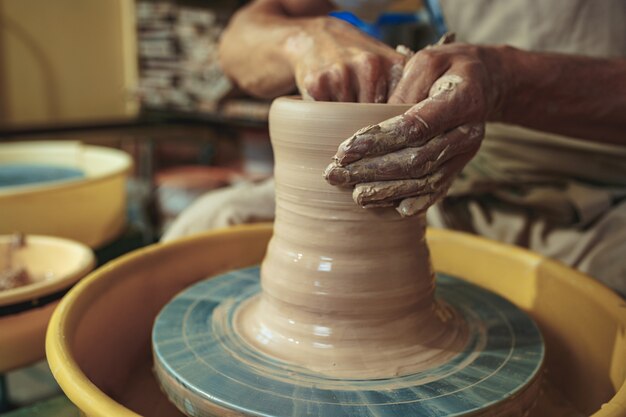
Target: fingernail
<point x="347" y="153"/>
<point x="361" y="193"/>
<point x="336" y="175"/>
<point x="365" y="196"/>
<point x="376" y="205"/>
<point x="355" y="147"/>
<point x="411" y="206"/>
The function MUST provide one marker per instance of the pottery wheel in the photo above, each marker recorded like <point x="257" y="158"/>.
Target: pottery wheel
<point x="207" y="369"/>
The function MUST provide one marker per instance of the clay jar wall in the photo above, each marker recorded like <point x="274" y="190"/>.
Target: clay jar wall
<point x="346" y="291"/>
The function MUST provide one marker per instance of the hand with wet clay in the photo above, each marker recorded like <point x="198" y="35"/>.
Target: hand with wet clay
<point x="411" y="160"/>
<point x="333" y="61"/>
<point x="293" y="43"/>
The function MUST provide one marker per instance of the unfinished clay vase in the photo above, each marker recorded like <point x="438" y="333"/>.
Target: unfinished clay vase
<point x="347" y="292"/>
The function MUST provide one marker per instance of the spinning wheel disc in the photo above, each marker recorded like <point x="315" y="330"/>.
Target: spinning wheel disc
<point x="206" y="368"/>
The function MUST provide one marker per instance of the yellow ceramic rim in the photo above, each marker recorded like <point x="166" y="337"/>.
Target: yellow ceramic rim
<point x="78" y="388"/>
<point x="613" y="303"/>
<point x="125" y="164"/>
<point x="92" y="401"/>
<point x="43" y="288"/>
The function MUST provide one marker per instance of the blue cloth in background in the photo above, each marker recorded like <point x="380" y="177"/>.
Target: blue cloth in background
<point x="431" y="16"/>
<point x="435" y="16"/>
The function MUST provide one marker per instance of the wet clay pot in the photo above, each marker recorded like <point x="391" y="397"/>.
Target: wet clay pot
<point x="346" y="291"/>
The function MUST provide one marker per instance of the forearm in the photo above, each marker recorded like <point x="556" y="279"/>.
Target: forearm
<point x="571" y="95"/>
<point x="254" y="49"/>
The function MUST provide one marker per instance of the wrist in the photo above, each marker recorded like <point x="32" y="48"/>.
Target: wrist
<point x="501" y="61"/>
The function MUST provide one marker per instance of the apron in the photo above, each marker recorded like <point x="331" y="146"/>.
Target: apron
<point x="562" y="197"/>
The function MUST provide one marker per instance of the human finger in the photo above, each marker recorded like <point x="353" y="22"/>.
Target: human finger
<point x="378" y="76"/>
<point x="395" y="73"/>
<point x="451" y="104"/>
<point x="408" y="163"/>
<point x="386" y="193"/>
<point x="418" y="205"/>
<point x="315" y="87"/>
<point x="395" y="68"/>
<point x="418" y="75"/>
<point x="420" y="72"/>
<point x="446" y="38"/>
<point x="380" y="95"/>
<point x="379" y="192"/>
<point x="340" y="83"/>
<point x="366" y="70"/>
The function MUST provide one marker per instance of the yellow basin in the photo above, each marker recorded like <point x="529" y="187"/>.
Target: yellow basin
<point x="98" y="341"/>
<point x="22" y="333"/>
<point x="91" y="210"/>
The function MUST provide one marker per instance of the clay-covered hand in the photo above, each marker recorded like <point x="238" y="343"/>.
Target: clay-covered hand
<point x="410" y="161"/>
<point x="333" y="61"/>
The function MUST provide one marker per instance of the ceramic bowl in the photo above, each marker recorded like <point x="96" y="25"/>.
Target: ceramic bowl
<point x="98" y="341"/>
<point x="55" y="265"/>
<point x="90" y="210"/>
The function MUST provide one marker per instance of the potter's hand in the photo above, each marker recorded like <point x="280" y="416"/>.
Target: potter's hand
<point x="411" y="160"/>
<point x="333" y="61"/>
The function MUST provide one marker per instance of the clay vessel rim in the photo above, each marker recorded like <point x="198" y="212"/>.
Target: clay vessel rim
<point x="353" y="105"/>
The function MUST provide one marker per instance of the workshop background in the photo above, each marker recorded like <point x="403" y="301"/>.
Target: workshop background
<point x="142" y="77"/>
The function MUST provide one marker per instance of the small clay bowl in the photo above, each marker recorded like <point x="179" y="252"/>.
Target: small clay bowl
<point x="55" y="265"/>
